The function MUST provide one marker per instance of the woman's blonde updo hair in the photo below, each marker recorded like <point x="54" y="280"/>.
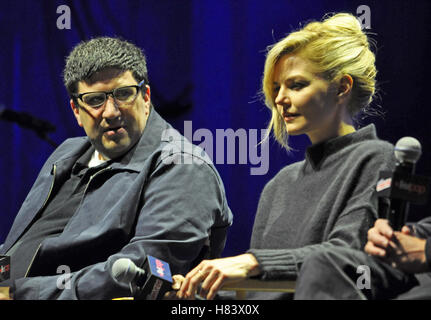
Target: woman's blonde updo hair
<point x="337" y="46"/>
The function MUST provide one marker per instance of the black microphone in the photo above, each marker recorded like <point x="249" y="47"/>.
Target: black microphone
<point x="149" y="283"/>
<point x="26" y="120"/>
<point x="397" y="189"/>
<point x="4" y="268"/>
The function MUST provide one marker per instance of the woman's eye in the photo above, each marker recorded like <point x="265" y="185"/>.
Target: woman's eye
<point x="298" y="85"/>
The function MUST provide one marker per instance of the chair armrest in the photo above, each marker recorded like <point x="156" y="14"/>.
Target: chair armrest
<point x="243" y="286"/>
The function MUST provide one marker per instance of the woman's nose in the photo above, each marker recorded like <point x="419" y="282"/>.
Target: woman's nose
<point x="282" y="97"/>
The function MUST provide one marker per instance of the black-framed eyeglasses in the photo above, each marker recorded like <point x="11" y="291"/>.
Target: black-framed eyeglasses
<point x="122" y="96"/>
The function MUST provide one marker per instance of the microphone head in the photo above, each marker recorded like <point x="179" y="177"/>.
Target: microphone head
<point x="408" y="149"/>
<point x="124" y="270"/>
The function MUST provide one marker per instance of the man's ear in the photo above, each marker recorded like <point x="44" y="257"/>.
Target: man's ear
<point x="147" y="94"/>
<point x="75" y="110"/>
<point x="147" y="100"/>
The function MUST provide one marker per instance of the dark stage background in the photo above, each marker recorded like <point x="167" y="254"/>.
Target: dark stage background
<point x="205" y="62"/>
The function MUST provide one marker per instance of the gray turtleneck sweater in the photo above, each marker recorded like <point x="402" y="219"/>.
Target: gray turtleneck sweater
<point x="325" y="200"/>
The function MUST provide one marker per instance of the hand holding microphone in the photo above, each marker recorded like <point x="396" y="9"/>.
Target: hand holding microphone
<point x="401" y="250"/>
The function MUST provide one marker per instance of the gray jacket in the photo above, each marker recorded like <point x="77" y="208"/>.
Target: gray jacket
<point x="163" y="198"/>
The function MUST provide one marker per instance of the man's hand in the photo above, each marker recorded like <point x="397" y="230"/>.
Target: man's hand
<point x="408" y="254"/>
<point x="214" y="273"/>
<point x="399" y="249"/>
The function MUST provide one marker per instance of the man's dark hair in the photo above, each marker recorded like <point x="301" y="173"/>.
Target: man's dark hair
<point x="89" y="57"/>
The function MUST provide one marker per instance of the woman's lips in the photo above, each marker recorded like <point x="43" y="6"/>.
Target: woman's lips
<point x="290" y="116"/>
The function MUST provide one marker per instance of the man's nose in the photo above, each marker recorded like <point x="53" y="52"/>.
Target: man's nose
<point x="111" y="110"/>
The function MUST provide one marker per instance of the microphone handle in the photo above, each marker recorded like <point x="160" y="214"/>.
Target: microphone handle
<point x="140" y="278"/>
<point x="398" y="211"/>
<point x="397" y="214"/>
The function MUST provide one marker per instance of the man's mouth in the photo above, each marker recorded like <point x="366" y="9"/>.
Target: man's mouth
<point x="111" y="131"/>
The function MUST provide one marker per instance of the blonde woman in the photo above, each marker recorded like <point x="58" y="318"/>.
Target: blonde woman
<point x="315" y="81"/>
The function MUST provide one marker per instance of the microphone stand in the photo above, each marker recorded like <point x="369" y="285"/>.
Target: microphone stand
<point x="28" y="121"/>
<point x="44" y="136"/>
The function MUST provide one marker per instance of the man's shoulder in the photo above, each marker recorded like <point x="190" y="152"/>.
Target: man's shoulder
<point x="176" y="147"/>
<point x="70" y="147"/>
<point x="167" y="144"/>
<point x="73" y="141"/>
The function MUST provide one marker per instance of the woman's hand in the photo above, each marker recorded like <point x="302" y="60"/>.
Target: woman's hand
<point x="213" y="274"/>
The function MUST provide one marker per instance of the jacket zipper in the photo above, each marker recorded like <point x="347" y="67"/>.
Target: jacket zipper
<point x="89" y="180"/>
<point x="54" y="168"/>
<point x="32" y="260"/>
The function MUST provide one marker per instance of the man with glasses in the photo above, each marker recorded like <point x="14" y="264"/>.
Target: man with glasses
<point x="115" y="193"/>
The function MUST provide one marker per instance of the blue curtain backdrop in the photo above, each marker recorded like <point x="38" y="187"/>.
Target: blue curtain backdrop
<point x="205" y="62"/>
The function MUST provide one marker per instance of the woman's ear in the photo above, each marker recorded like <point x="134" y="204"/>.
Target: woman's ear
<point x="345" y="85"/>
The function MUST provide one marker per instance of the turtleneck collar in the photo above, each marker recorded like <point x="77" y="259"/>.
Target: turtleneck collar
<point x="318" y="152"/>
